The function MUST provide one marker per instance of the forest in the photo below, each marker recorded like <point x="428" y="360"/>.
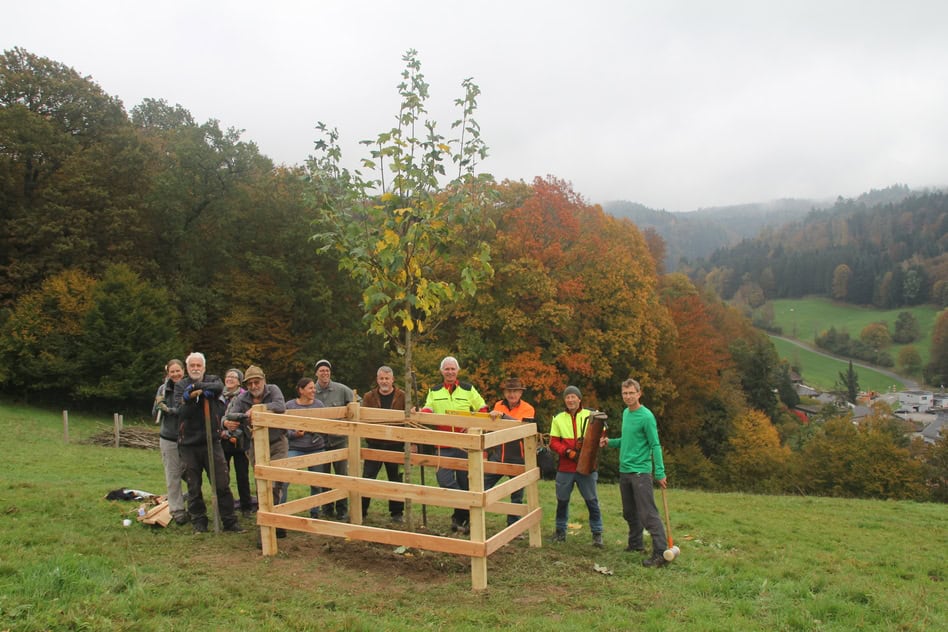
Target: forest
<point x="131" y="236"/>
<point x="888" y="255"/>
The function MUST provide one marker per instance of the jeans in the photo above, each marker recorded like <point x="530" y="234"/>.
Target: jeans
<point x="314" y="511"/>
<point x="335" y="442"/>
<point x="639" y="510"/>
<point x="454" y="479"/>
<point x="587" y="489"/>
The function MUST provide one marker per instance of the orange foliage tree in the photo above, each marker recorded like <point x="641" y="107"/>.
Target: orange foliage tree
<point x="573" y="301"/>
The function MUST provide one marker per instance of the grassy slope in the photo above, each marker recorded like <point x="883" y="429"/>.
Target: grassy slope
<point x="823" y="373"/>
<point x="747" y="562"/>
<point x="806" y="318"/>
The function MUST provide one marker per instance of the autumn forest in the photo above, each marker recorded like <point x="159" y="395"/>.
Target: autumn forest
<point x="133" y="235"/>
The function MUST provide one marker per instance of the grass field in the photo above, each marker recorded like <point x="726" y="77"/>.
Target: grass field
<point x="804" y="319"/>
<point x="747" y="562"/>
<point x="822" y="372"/>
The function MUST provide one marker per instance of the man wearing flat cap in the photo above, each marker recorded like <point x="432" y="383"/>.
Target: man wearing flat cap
<point x="511" y="406"/>
<point x="332" y="393"/>
<point x="239" y="413"/>
<point x="566" y="432"/>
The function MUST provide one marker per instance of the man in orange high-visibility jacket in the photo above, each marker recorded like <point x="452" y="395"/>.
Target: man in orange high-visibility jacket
<point x="511" y="406"/>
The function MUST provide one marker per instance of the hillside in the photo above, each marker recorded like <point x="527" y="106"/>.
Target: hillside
<point x="697" y="234"/>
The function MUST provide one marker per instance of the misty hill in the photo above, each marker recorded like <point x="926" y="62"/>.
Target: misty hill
<point x="698" y="234"/>
<point x="890" y="254"/>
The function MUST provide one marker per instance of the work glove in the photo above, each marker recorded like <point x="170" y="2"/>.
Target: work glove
<point x="572" y="455"/>
<point x="187" y="391"/>
<point x="207" y="388"/>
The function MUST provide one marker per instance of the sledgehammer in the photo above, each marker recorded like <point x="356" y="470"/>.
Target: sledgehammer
<point x="672" y="551"/>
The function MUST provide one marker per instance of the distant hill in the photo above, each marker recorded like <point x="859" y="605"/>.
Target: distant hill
<point x="697" y="234"/>
<point x="884" y="249"/>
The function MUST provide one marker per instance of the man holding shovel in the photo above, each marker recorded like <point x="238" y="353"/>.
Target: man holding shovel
<point x="198" y="403"/>
<point x="640" y="454"/>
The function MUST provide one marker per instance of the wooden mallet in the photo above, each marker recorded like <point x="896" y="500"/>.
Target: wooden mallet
<point x="672" y="551"/>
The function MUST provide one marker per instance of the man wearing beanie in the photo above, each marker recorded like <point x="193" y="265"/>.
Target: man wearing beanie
<point x="332" y="393"/>
<point x="566" y="433"/>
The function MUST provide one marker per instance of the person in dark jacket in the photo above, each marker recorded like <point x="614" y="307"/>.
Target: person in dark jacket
<point x="196" y="397"/>
<point x="239" y="414"/>
<point x="385" y="395"/>
<point x="237" y="443"/>
<point x="168" y="439"/>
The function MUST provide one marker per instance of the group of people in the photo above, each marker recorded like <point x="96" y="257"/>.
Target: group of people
<point x="189" y="399"/>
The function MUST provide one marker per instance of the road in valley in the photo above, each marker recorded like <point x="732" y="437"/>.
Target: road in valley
<point x="910" y="384"/>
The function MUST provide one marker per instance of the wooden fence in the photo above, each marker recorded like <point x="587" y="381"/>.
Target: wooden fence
<point x="359" y="423"/>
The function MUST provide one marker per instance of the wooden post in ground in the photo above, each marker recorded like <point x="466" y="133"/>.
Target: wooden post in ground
<point x="533" y="492"/>
<point x="261" y="452"/>
<point x="475" y="476"/>
<point x="117" y="428"/>
<point x="355" y="465"/>
<point x="65" y="426"/>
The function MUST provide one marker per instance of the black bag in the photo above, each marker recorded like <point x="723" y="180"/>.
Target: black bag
<point x="547" y="462"/>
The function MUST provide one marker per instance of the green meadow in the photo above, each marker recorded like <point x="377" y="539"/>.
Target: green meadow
<point x="804" y="319"/>
<point x="747" y="562"/>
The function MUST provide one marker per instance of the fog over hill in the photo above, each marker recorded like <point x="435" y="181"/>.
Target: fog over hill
<point x="697" y="234"/>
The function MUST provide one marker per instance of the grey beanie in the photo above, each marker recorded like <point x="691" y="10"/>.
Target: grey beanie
<point x="572" y="389"/>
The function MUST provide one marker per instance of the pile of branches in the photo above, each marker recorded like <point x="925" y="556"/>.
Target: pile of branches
<point x="130" y="437"/>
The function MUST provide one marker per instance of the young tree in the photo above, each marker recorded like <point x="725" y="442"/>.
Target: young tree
<point x="402" y="235"/>
<point x="848" y="383"/>
<point x="906" y="328"/>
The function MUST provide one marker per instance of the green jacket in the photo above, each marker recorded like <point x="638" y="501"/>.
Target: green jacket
<point x="639" y="449"/>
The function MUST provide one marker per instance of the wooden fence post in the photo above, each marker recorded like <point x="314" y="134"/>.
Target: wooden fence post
<point x="65" y="426"/>
<point x="117" y="428"/>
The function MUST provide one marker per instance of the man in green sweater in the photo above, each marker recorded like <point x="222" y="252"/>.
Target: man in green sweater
<point x="640" y="454"/>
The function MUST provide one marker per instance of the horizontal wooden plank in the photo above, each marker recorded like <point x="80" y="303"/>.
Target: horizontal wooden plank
<point x="364" y="533"/>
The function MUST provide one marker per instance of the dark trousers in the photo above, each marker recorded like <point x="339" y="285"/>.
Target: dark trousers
<point x="639" y="511"/>
<point x="371" y="469"/>
<point x="241" y="470"/>
<point x="517" y="497"/>
<point x="195" y="462"/>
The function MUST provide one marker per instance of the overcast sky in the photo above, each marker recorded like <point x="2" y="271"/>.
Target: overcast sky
<point x="676" y="105"/>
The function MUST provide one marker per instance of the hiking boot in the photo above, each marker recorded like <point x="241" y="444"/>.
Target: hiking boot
<point x="559" y="536"/>
<point x="655" y="561"/>
<point x="343" y="516"/>
<point x="455" y="526"/>
<point x="280" y="533"/>
<point x="597" y="540"/>
<point x="182" y="519"/>
<point x="398" y="518"/>
<point x="234" y="528"/>
<point x="199" y="527"/>
<point x="632" y="549"/>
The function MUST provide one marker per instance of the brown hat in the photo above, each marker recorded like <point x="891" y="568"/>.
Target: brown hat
<point x="513" y="384"/>
<point x="253" y="371"/>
